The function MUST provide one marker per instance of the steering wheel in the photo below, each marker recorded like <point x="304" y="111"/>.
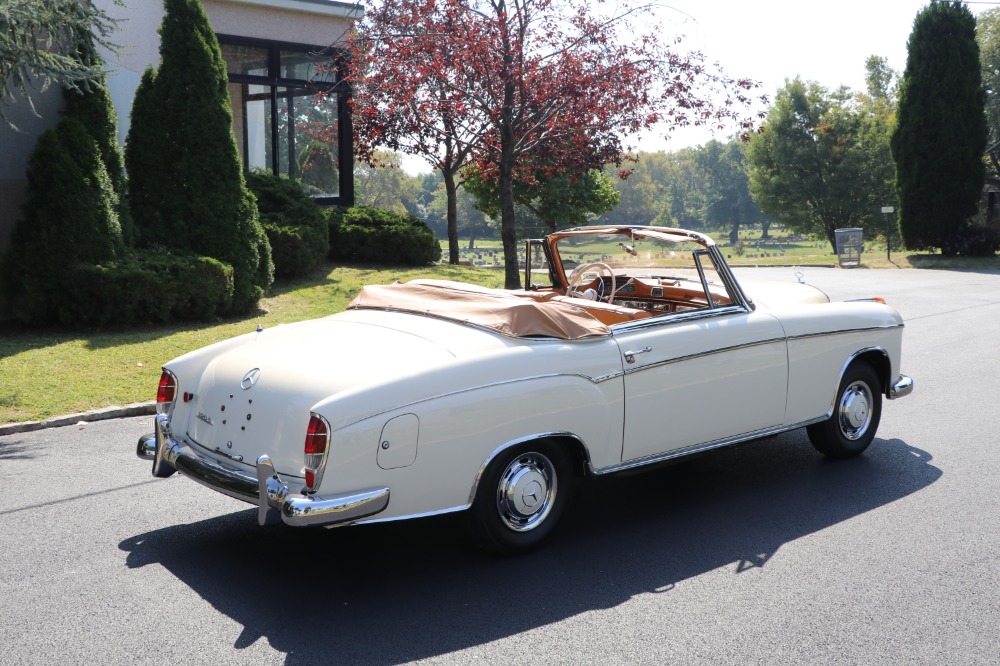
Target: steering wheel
<point x="576" y="281"/>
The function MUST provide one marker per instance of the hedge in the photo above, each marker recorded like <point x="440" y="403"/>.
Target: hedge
<point x="375" y="236"/>
<point x="295" y="226"/>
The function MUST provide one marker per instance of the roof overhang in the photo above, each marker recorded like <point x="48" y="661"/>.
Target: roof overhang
<point x="338" y="8"/>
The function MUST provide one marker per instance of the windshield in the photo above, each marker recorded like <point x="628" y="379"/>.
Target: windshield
<point x="651" y="269"/>
<point x="631" y="255"/>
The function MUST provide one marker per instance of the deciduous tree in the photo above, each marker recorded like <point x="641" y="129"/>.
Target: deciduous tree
<point x="562" y="81"/>
<point x="821" y="161"/>
<point x="472" y="223"/>
<point x="988" y="38"/>
<point x="386" y="185"/>
<point x="556" y="199"/>
<point x="728" y="203"/>
<point x="408" y="97"/>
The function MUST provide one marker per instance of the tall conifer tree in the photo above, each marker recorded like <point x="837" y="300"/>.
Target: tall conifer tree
<point x="95" y="109"/>
<point x="187" y="187"/>
<point x="941" y="129"/>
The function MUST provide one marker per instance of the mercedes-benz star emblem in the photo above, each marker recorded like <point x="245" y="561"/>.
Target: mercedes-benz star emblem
<point x="250" y="379"/>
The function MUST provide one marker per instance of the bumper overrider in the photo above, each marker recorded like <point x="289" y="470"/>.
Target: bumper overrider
<point x="266" y="489"/>
<point x="901" y="387"/>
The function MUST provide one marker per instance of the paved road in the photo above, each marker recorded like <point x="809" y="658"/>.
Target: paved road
<point x="764" y="553"/>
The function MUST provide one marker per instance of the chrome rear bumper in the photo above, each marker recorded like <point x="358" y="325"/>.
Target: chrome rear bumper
<point x="266" y="489"/>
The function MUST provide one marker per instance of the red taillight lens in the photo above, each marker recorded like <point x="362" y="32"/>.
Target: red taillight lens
<point x="317" y="440"/>
<point x="317" y="435"/>
<point x="166" y="392"/>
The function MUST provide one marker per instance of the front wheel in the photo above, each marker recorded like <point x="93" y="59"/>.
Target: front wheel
<point x="856" y="414"/>
<point x="521" y="497"/>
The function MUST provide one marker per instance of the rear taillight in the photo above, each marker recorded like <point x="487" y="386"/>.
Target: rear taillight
<point x="166" y="392"/>
<point x="315" y="449"/>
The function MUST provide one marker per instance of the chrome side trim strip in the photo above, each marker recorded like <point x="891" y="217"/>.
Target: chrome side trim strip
<point x="596" y="380"/>
<point x="603" y="378"/>
<point x="692" y="315"/>
<point x="844" y="331"/>
<point x="621" y="373"/>
<point x="425" y="514"/>
<point x="720" y="350"/>
<point x="698" y="448"/>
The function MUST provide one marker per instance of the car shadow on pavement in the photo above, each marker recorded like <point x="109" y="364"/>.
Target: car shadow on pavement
<point x="397" y="592"/>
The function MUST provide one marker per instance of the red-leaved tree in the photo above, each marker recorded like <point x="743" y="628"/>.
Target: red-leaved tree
<point x="496" y="82"/>
<point x="409" y="95"/>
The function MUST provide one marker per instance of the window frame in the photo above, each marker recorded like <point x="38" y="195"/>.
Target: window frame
<point x="273" y="80"/>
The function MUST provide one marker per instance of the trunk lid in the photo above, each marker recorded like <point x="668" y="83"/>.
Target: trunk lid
<point x="255" y="399"/>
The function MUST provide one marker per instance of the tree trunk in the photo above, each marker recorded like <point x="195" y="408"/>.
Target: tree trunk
<point x="451" y="192"/>
<point x="508" y="227"/>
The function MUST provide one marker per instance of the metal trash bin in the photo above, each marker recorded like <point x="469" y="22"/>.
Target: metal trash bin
<point x="849" y="246"/>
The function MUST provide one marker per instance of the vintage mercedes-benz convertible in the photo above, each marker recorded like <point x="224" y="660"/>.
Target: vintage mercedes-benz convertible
<point x="630" y="346"/>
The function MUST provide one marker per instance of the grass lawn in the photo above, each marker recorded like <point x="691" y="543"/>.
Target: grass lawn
<point x="782" y="249"/>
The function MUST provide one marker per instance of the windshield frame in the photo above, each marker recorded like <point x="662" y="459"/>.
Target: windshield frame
<point x="709" y="249"/>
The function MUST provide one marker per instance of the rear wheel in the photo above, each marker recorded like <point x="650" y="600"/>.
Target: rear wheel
<point x="521" y="497"/>
<point x="856" y="414"/>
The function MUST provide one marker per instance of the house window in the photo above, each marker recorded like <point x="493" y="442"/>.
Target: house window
<point x="291" y="114"/>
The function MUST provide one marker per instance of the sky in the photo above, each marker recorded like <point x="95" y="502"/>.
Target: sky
<point x="826" y="41"/>
<point x="774" y="40"/>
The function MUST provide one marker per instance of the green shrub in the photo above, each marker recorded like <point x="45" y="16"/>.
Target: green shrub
<point x="295" y="226"/>
<point x="375" y="236"/>
<point x="156" y="288"/>
<point x="69" y="218"/>
<point x="977" y="241"/>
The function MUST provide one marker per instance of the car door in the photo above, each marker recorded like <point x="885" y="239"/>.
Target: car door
<point x="702" y="377"/>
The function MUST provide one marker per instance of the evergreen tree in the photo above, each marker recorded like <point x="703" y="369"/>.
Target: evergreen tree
<point x="37" y="38"/>
<point x="941" y="129"/>
<point x="187" y="190"/>
<point x="95" y="109"/>
<point x="69" y="218"/>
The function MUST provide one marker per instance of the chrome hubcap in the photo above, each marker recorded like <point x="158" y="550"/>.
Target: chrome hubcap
<point x="526" y="491"/>
<point x="855" y="410"/>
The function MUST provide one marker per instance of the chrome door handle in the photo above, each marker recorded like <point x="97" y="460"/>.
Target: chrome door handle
<point x="630" y="355"/>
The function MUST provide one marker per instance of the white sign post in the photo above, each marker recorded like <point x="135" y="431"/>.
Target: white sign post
<point x="887" y="211"/>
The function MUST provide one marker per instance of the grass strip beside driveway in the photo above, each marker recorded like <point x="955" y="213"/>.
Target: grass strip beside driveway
<point x="48" y="373"/>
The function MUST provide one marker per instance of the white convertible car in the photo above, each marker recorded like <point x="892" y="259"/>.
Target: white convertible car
<point x="631" y="346"/>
